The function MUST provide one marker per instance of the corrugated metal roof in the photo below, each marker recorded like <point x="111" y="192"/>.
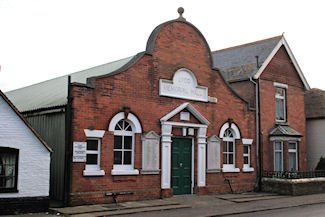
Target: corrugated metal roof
<point x="239" y="62"/>
<point x="54" y="92"/>
<point x="315" y="103"/>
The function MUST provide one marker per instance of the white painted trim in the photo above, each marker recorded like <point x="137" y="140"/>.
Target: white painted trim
<point x="93" y="173"/>
<point x="230" y="170"/>
<point x="115" y="172"/>
<point x="94" y="133"/>
<point x="276" y="84"/>
<point x="183" y="124"/>
<point x="190" y="108"/>
<point x="201" y="156"/>
<point x="248" y="169"/>
<point x="293" y="59"/>
<point x="234" y="127"/>
<point x="247" y="141"/>
<point x="131" y="117"/>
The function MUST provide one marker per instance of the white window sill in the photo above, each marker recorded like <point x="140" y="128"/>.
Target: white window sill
<point x="230" y="170"/>
<point x="93" y="173"/>
<point x="115" y="172"/>
<point x="248" y="169"/>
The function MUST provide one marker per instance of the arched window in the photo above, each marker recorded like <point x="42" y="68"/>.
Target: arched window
<point x="229" y="149"/>
<point x="124" y="127"/>
<point x="123" y="145"/>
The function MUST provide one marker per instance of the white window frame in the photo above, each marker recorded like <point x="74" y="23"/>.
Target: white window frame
<point x="230" y="167"/>
<point x="278" y="151"/>
<point x="293" y="151"/>
<point x="248" y="143"/>
<point x="283" y="98"/>
<point x="120" y="169"/>
<point x="246" y="166"/>
<point x="94" y="170"/>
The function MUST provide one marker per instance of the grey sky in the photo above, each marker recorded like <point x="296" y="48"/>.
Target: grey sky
<point x="42" y="39"/>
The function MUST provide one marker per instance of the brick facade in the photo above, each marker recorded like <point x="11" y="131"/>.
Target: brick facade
<point x="177" y="45"/>
<point x="281" y="70"/>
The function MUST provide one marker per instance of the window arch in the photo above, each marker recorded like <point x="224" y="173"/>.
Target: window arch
<point x="229" y="148"/>
<point x="124" y="129"/>
<point x="123" y="145"/>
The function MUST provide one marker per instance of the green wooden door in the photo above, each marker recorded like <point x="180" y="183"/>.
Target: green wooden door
<point x="181" y="165"/>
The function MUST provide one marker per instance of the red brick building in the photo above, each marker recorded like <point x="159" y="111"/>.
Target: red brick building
<point x="174" y="119"/>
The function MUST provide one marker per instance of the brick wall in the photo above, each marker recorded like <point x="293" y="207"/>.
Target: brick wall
<point x="178" y="45"/>
<point x="281" y="70"/>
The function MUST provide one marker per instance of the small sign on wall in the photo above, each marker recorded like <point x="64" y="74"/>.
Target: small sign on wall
<point x="79" y="151"/>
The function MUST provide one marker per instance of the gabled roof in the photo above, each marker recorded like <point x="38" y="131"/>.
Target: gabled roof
<point x="283" y="130"/>
<point x="315" y="103"/>
<point x="24" y="120"/>
<point x="240" y="63"/>
<point x="54" y="92"/>
<point x="190" y="108"/>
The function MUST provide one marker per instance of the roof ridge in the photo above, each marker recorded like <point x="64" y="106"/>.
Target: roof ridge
<point x="246" y="44"/>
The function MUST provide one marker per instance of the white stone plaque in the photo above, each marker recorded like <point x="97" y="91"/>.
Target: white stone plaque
<point x="183" y="85"/>
<point x="79" y="151"/>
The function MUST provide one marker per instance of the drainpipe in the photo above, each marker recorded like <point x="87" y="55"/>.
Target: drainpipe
<point x="258" y="132"/>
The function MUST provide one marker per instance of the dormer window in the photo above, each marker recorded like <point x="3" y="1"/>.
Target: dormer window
<point x="280" y="105"/>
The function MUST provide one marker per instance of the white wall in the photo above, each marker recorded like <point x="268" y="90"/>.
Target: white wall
<point x="34" y="158"/>
<point x="315" y="135"/>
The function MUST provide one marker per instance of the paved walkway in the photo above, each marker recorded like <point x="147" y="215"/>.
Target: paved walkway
<point x="189" y="205"/>
<point x="194" y="205"/>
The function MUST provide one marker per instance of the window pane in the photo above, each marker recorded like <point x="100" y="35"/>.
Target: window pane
<point x="245" y="160"/>
<point x="231" y="158"/>
<point x="225" y="149"/>
<point x="8" y="168"/>
<point x="92" y="145"/>
<point x="91" y="159"/>
<point x="119" y="125"/>
<point x="117" y="142"/>
<point x="277" y="146"/>
<point x="231" y="146"/>
<point x="278" y="161"/>
<point x="279" y="109"/>
<point x="279" y="92"/>
<point x="127" y="157"/>
<point x="292" y="145"/>
<point x="127" y="142"/>
<point x="117" y="157"/>
<point x="245" y="149"/>
<point x="225" y="161"/>
<point x="292" y="162"/>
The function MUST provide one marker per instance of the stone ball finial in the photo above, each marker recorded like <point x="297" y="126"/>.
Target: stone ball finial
<point x="180" y="10"/>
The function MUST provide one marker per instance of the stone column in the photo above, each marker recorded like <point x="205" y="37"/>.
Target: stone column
<point x="201" y="153"/>
<point x="166" y="141"/>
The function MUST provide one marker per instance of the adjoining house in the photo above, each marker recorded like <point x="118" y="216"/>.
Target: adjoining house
<point x="24" y="163"/>
<point x="174" y="119"/>
<point x="315" y="114"/>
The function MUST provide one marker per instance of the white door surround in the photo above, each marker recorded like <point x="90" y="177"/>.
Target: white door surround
<point x="166" y="141"/>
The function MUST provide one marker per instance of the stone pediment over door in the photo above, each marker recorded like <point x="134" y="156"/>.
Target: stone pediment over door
<point x="185" y="112"/>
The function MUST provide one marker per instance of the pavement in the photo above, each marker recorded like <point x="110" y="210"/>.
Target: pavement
<point x="189" y="205"/>
<point x="195" y="205"/>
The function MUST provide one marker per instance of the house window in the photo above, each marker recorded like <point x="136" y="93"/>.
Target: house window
<point x="93" y="147"/>
<point x="8" y="169"/>
<point x="93" y="154"/>
<point x="246" y="156"/>
<point x="228" y="149"/>
<point x="278" y="156"/>
<point x="123" y="146"/>
<point x="293" y="156"/>
<point x="280" y="107"/>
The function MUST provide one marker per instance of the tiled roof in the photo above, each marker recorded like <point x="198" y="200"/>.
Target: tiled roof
<point x="315" y="103"/>
<point x="283" y="130"/>
<point x="237" y="63"/>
